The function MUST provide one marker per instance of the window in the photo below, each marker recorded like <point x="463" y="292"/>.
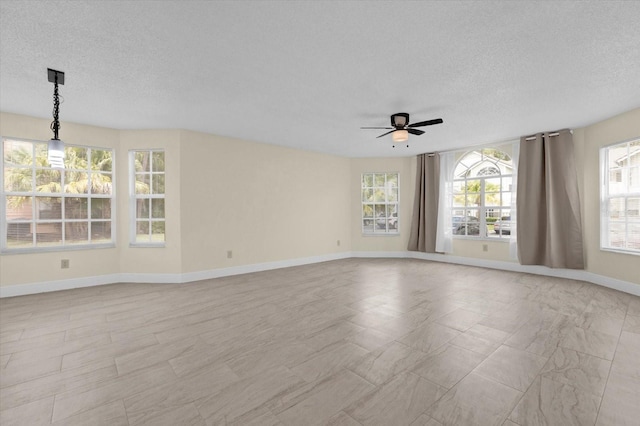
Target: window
<point x="481" y="205"/>
<point x="46" y="208"/>
<point x="380" y="197"/>
<point x="147" y="197"/>
<point x="620" y="197"/>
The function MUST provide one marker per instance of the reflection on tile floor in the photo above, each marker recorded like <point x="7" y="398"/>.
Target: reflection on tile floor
<point x="349" y="342"/>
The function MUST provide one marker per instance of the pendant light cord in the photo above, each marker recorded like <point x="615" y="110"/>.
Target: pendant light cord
<point x="55" y="124"/>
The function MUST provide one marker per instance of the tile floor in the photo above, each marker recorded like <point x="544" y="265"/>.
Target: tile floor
<point x="351" y="342"/>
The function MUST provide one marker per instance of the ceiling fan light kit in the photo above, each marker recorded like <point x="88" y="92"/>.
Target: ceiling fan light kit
<point x="400" y="128"/>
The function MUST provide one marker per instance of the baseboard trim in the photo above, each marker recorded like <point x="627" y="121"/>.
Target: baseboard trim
<point x="48" y="286"/>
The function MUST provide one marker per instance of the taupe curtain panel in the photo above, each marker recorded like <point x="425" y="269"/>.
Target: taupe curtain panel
<point x="548" y="204"/>
<point x="424" y="224"/>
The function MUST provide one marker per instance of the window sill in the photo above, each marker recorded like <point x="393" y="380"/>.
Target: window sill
<point x="620" y="251"/>
<point x="147" y="245"/>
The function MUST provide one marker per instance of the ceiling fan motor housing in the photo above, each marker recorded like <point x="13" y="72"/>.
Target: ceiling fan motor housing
<point x="400" y="120"/>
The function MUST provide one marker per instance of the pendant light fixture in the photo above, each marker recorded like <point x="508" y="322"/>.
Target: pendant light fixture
<point x="56" y="146"/>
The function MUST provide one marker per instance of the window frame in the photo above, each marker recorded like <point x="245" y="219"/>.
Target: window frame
<point x="35" y="220"/>
<point x="482" y="208"/>
<point x="133" y="199"/>
<point x="606" y="196"/>
<point x="387" y="232"/>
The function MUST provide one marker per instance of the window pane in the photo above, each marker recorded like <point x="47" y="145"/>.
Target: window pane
<point x="633" y="209"/>
<point x="158" y="184"/>
<point x="617" y="156"/>
<point x="459" y="194"/>
<point x="142" y="208"/>
<point x="100" y="232"/>
<point x="42" y="154"/>
<point x="48" y="234"/>
<point x="76" y="182"/>
<point x="143" y="183"/>
<point x="379" y="196"/>
<point x="157" y="231"/>
<point x="393" y="194"/>
<point x="19" y="208"/>
<point x="49" y="208"/>
<point x="616" y="235"/>
<point x="75" y="157"/>
<point x="367" y="210"/>
<point x="101" y="183"/>
<point x="18" y="179"/>
<point x="76" y="208"/>
<point x="367" y="195"/>
<point x="158" y="161"/>
<point x="380" y="180"/>
<point x="392" y="180"/>
<point x="634" y="236"/>
<point x="367" y="225"/>
<point x="157" y="208"/>
<point x="492" y="185"/>
<point x="367" y="180"/>
<point x="49" y="180"/>
<point x="18" y="153"/>
<point x="19" y="235"/>
<point x="506" y="199"/>
<point x="76" y="232"/>
<point x="616" y="208"/>
<point x="142" y="232"/>
<point x="142" y="161"/>
<point x="473" y="199"/>
<point x="101" y="160"/>
<point x="100" y="208"/>
<point x="492" y="199"/>
<point x="634" y="176"/>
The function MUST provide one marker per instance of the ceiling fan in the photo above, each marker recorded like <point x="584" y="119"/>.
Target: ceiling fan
<point x="401" y="127"/>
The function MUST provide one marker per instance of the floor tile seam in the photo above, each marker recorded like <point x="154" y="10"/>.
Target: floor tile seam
<point x="606" y="385"/>
<point x="504" y="384"/>
<point x="51" y="373"/>
<point x="595" y="356"/>
<point x="109" y="401"/>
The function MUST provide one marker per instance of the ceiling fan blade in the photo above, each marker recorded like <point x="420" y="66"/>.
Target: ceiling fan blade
<point x="385" y="134"/>
<point x="376" y="128"/>
<point x="426" y="123"/>
<point x="415" y="131"/>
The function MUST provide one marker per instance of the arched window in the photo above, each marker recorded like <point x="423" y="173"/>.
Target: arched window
<point x="482" y="184"/>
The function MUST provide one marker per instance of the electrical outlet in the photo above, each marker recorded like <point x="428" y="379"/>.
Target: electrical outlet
<point x="64" y="264"/>
<point x="485" y="247"/>
<point x="229" y="254"/>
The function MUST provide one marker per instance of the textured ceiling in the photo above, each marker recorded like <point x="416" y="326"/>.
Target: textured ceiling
<point x="309" y="74"/>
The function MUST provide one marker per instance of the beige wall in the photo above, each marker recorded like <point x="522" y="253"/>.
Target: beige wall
<point x="621" y="128"/>
<point x="160" y="260"/>
<point x="264" y="203"/>
<point x="41" y="267"/>
<point x="406" y="168"/>
<point x="267" y="203"/>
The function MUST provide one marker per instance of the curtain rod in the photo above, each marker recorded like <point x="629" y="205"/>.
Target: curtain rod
<point x="531" y="138"/>
<point x="431" y="154"/>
